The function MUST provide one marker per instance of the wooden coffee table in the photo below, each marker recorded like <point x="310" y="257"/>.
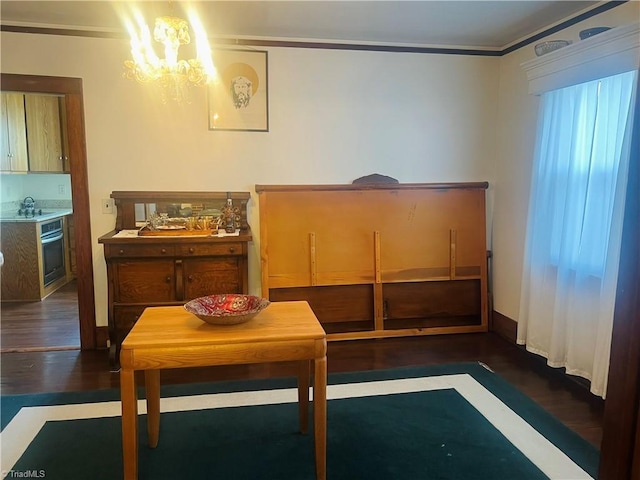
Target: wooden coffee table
<point x="170" y="337"/>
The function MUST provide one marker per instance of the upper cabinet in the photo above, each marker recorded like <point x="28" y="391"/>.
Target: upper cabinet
<point x="13" y="153"/>
<point x="44" y="133"/>
<point x="34" y="137"/>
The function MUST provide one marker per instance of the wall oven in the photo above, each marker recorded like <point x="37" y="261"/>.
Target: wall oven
<point x="52" y="239"/>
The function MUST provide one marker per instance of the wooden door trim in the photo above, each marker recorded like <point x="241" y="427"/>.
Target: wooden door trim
<point x="72" y="90"/>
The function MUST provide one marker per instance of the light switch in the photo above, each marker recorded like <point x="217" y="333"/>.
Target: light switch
<point x="107" y="205"/>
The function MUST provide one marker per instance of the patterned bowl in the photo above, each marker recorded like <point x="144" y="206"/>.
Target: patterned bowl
<point x="226" y="309"/>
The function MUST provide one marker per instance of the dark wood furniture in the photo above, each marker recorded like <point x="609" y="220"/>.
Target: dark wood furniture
<point x="378" y="260"/>
<point x="147" y="271"/>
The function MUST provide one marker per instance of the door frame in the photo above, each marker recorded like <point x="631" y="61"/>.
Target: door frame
<point x="71" y="89"/>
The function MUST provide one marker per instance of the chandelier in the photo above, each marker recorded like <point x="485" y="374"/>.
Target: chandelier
<point x="173" y="75"/>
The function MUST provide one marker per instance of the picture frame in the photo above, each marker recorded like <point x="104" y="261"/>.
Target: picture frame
<point x="239" y="97"/>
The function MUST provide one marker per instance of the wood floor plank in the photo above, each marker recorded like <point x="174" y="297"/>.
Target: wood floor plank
<point x="48" y="324"/>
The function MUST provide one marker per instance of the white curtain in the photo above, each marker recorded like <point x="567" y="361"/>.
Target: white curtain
<point x="574" y="225"/>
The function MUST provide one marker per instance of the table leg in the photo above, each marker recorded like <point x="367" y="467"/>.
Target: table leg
<point x="129" y="400"/>
<point x="152" y="388"/>
<point x="304" y="370"/>
<point x="320" y="416"/>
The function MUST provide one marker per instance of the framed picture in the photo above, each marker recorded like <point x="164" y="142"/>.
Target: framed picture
<point x="238" y="99"/>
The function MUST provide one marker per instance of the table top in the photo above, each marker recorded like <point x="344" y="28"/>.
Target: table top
<point x="174" y="326"/>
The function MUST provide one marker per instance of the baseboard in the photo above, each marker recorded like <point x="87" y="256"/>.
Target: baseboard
<point x="504" y="326"/>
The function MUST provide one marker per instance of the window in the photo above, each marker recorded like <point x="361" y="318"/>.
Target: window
<point x="577" y="172"/>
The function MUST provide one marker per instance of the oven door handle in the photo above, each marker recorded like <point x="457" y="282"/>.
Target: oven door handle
<point x="47" y="240"/>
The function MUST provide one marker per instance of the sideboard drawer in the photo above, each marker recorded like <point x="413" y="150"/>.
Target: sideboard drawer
<point x="234" y="248"/>
<point x="128" y="250"/>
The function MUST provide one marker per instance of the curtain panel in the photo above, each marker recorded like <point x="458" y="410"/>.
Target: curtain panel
<point x="574" y="225"/>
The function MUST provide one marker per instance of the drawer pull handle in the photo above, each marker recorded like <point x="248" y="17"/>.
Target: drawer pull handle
<point x="168" y="279"/>
<point x="121" y="252"/>
<point x="232" y="249"/>
<point x="163" y="250"/>
<point x="191" y="249"/>
<point x="190" y="278"/>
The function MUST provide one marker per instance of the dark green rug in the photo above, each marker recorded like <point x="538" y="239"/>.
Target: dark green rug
<point x="432" y="434"/>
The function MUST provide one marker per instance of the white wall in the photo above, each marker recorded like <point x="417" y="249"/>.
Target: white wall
<point x="516" y="140"/>
<point x="334" y="116"/>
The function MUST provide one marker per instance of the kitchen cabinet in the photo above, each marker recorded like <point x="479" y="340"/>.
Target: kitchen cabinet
<point x="378" y="260"/>
<point x="23" y="275"/>
<point x="64" y="136"/>
<point x="44" y="133"/>
<point x="34" y="137"/>
<point x="147" y="271"/>
<point x="13" y="153"/>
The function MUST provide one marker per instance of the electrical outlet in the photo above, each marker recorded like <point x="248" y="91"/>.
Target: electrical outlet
<point x="107" y="205"/>
<point x="61" y="189"/>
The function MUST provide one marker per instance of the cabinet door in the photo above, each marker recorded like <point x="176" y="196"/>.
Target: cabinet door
<point x="21" y="272"/>
<point x="44" y="135"/>
<point x="144" y="281"/>
<point x="209" y="276"/>
<point x="64" y="136"/>
<point x="13" y="153"/>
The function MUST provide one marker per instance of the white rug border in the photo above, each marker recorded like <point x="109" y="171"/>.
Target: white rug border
<point x="23" y="428"/>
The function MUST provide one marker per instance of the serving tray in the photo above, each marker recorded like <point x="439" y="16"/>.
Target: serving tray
<point x="146" y="232"/>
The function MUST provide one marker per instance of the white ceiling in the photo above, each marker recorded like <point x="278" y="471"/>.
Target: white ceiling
<point x="470" y="24"/>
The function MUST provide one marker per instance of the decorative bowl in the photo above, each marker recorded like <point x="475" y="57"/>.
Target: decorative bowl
<point x="550" y="46"/>
<point x="226" y="309"/>
<point x="590" y="32"/>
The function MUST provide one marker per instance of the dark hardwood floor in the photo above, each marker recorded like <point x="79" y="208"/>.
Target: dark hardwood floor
<point x="37" y="326"/>
<point x="566" y="399"/>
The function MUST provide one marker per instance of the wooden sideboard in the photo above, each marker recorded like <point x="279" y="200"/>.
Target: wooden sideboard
<point x="378" y="260"/>
<point x="147" y="271"/>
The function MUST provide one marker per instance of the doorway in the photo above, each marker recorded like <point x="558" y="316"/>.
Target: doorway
<point x="71" y="89"/>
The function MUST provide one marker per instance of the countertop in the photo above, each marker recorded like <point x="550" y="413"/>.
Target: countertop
<point x="47" y="214"/>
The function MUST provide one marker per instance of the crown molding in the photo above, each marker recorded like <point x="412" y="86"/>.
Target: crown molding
<point x="21" y="27"/>
<point x="608" y="53"/>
